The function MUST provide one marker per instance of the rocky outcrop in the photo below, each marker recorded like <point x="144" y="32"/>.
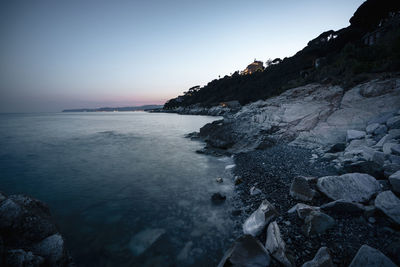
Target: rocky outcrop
<point x="370" y="257"/>
<point x="314" y="116"/>
<point x="29" y="236"/>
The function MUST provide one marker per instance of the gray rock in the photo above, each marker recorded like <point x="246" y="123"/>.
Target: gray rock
<point x="394" y="134"/>
<point x="259" y="218"/>
<point x="52" y="248"/>
<point x="382" y="118"/>
<point x="2" y="197"/>
<point x="394" y="159"/>
<point x="370" y="257"/>
<point x="246" y="251"/>
<point x="10" y="213"/>
<point x="387" y="148"/>
<point x="353" y="187"/>
<point x="389" y="204"/>
<point x="219" y="180"/>
<point x="343" y="206"/>
<point x="321" y="259"/>
<point x="303" y="210"/>
<point x="339" y="147"/>
<point x="381" y="130"/>
<point x="354" y="134"/>
<point x="394" y="180"/>
<point x="382" y="141"/>
<point x="254" y="191"/>
<point x="371" y="128"/>
<point x="19" y="258"/>
<point x="394" y="122"/>
<point x="379" y="158"/>
<point x="300" y="189"/>
<point x="238" y="180"/>
<point x="317" y="223"/>
<point x="391" y="168"/>
<point x="368" y="167"/>
<point x="396" y="149"/>
<point x="275" y="244"/>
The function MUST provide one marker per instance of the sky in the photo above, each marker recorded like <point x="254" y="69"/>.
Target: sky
<point x="91" y="53"/>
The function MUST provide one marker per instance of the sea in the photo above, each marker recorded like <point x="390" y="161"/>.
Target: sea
<point x="124" y="188"/>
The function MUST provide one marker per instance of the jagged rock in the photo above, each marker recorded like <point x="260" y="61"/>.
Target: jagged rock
<point x="259" y="218"/>
<point x="396" y="149"/>
<point x="275" y="244"/>
<point x="378" y="158"/>
<point x="303" y="210"/>
<point x="389" y="204"/>
<point x="370" y="257"/>
<point x="217" y="198"/>
<point x="339" y="147"/>
<point x="354" y="134"/>
<point x="254" y="191"/>
<point x="317" y="223"/>
<point x="321" y="259"/>
<point x="353" y="187"/>
<point x="371" y="128"/>
<point x="19" y="257"/>
<point x="219" y="180"/>
<point x="368" y="167"/>
<point x="343" y="206"/>
<point x="394" y="180"/>
<point x="394" y="122"/>
<point x="300" y="189"/>
<point x="382" y="141"/>
<point x="52" y="249"/>
<point x="246" y="251"/>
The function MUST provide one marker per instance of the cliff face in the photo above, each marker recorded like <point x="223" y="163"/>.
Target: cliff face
<point x="313" y="116"/>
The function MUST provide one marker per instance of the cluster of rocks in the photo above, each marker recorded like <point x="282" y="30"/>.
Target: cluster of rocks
<point x="354" y="194"/>
<point x="28" y="236"/>
<point x="201" y="110"/>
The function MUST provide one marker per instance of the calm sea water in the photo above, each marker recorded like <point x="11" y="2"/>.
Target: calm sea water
<point x="124" y="188"/>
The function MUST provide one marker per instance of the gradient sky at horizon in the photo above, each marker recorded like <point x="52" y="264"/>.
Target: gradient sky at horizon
<point x="70" y="54"/>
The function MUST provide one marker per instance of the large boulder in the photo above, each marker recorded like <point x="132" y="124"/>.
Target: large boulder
<point x="321" y="259"/>
<point x="300" y="189"/>
<point x="276" y="246"/>
<point x="370" y="257"/>
<point x="389" y="204"/>
<point x="259" y="218"/>
<point x="317" y="223"/>
<point x="353" y="187"/>
<point x="246" y="251"/>
<point x="394" y="180"/>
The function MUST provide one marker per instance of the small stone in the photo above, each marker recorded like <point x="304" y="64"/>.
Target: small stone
<point x="219" y="180"/>
<point x="370" y="257"/>
<point x="238" y="180"/>
<point x="254" y="191"/>
<point x="371" y="220"/>
<point x="321" y="259"/>
<point x="301" y="190"/>
<point x="317" y="223"/>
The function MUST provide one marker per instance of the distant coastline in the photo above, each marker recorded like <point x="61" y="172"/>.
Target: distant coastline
<point x="115" y="109"/>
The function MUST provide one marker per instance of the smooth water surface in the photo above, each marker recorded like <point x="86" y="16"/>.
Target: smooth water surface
<point x="124" y="188"/>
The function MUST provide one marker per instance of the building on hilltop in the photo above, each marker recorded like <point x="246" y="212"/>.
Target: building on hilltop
<point x="253" y="67"/>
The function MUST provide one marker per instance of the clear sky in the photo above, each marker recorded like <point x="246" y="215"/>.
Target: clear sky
<point x="68" y="54"/>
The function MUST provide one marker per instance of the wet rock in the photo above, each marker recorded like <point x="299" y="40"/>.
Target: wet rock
<point x="353" y="187"/>
<point x="141" y="241"/>
<point x="246" y="251"/>
<point x="303" y="210"/>
<point x="321" y="259"/>
<point x="254" y="191"/>
<point x="230" y="167"/>
<point x="389" y="204"/>
<point x="343" y="206"/>
<point x="371" y="128"/>
<point x="19" y="257"/>
<point x="259" y="218"/>
<point x="300" y="189"/>
<point x="354" y="134"/>
<point x="217" y="198"/>
<point x="370" y="257"/>
<point x="219" y="180"/>
<point x="275" y="244"/>
<point x="317" y="223"/>
<point x="394" y="180"/>
<point x="52" y="249"/>
<point x="394" y="122"/>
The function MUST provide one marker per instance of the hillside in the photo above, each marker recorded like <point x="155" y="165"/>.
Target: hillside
<point x="368" y="47"/>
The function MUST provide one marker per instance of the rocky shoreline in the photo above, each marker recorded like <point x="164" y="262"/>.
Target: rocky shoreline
<point x="28" y="235"/>
<point x="318" y="170"/>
